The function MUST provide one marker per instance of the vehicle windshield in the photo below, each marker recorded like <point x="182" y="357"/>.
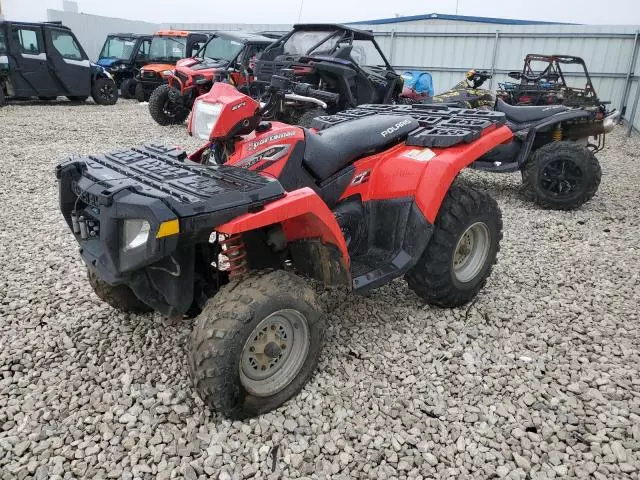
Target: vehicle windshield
<point x="167" y="49"/>
<point x="220" y="48"/>
<point x="365" y="53"/>
<point x="118" y="47"/>
<point x="302" y="41"/>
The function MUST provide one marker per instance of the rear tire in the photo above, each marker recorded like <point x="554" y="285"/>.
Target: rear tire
<point x="256" y="344"/>
<point x="164" y="110"/>
<point x="119" y="297"/>
<point x="306" y="119"/>
<point x="139" y="93"/>
<point x="104" y="91"/>
<point x="462" y="251"/>
<point x="3" y="98"/>
<point x="128" y="88"/>
<point x="561" y="175"/>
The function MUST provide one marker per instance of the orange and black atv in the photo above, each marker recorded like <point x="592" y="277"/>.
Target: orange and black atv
<point x="367" y="196"/>
<point x="171" y="103"/>
<point x="167" y="47"/>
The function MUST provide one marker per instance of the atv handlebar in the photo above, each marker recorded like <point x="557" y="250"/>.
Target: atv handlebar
<point x="306" y="90"/>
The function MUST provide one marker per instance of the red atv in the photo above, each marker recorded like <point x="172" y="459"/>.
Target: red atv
<point x="226" y="234"/>
<point x="232" y="52"/>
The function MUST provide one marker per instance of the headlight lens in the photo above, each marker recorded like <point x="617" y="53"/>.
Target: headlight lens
<point x="135" y="233"/>
<point x="205" y="116"/>
<point x="167" y="72"/>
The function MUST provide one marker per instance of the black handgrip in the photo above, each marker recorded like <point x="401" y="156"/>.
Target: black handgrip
<point x="328" y="97"/>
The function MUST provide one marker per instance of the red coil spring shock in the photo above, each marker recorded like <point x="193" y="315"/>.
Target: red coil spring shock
<point x="233" y="249"/>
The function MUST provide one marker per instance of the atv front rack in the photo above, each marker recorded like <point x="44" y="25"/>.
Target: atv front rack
<point x="440" y="126"/>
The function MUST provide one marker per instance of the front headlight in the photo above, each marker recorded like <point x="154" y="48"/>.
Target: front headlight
<point x="135" y="232"/>
<point x="166" y="73"/>
<point x="205" y="116"/>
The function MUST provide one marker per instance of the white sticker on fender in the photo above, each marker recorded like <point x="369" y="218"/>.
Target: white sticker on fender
<point x="422" y="154"/>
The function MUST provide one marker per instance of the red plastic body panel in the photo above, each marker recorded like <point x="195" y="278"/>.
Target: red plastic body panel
<point x="397" y="173"/>
<point x="302" y="214"/>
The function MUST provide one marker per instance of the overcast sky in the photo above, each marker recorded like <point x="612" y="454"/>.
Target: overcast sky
<point x="610" y="12"/>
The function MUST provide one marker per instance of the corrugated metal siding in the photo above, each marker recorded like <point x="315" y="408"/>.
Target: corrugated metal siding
<point x="92" y="30"/>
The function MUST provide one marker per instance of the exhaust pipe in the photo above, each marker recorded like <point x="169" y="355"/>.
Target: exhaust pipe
<point x="592" y="129"/>
<point x="610" y="121"/>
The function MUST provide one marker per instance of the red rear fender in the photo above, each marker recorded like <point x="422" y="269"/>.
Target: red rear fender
<point x="442" y="170"/>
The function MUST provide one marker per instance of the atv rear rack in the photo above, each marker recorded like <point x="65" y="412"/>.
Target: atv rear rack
<point x="440" y="126"/>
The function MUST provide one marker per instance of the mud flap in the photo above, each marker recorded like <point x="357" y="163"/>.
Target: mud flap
<point x="167" y="285"/>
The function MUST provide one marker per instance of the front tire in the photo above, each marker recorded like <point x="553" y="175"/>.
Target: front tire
<point x="139" y="93"/>
<point x="3" y="98"/>
<point x="462" y="250"/>
<point x="104" y="91"/>
<point x="561" y="176"/>
<point x="164" y="110"/>
<point x="256" y="344"/>
<point x="119" y="297"/>
<point x="128" y="88"/>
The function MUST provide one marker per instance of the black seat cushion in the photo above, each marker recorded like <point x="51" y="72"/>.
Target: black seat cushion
<point x="524" y="114"/>
<point x="333" y="149"/>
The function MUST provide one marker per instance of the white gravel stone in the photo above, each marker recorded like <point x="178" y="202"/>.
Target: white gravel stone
<point x="538" y="379"/>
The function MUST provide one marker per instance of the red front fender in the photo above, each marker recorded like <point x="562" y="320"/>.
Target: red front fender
<point x="302" y="214"/>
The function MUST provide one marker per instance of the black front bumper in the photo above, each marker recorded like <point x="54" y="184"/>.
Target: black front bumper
<point x="149" y="84"/>
<point x="156" y="184"/>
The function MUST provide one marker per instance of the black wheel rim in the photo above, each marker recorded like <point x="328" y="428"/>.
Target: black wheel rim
<point x="106" y="91"/>
<point x="560" y="177"/>
<point x="170" y="109"/>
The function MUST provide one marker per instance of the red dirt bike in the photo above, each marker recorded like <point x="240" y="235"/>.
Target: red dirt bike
<point x="226" y="234"/>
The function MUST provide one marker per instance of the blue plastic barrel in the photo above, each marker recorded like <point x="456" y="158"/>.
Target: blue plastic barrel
<point x="419" y="81"/>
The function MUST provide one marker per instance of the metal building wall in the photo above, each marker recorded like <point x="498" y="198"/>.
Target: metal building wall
<point x="92" y="30"/>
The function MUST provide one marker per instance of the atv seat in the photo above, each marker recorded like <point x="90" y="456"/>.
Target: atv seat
<point x="331" y="150"/>
<point x="525" y="114"/>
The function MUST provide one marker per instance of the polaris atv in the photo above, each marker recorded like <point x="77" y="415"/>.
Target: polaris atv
<point x="334" y="58"/>
<point x="227" y="233"/>
<point x="553" y="146"/>
<point x="171" y="103"/>
<point x="123" y="54"/>
<point x="167" y="47"/>
<point x="543" y="81"/>
<point x="46" y="60"/>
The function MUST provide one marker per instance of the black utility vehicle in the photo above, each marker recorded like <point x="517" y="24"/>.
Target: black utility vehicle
<point x="333" y="58"/>
<point x="551" y="80"/>
<point x="45" y="60"/>
<point x="123" y="55"/>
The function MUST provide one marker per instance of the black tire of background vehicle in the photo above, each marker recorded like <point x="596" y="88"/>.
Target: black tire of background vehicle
<point x="78" y="99"/>
<point x="128" y="88"/>
<point x="307" y="117"/>
<point x="119" y="297"/>
<point x="163" y="110"/>
<point x="433" y="278"/>
<point x="224" y="326"/>
<point x="47" y="99"/>
<point x="3" y="98"/>
<point x="139" y="93"/>
<point x="104" y="91"/>
<point x="580" y="156"/>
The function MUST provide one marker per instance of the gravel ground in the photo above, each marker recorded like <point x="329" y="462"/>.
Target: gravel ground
<point x="538" y="379"/>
